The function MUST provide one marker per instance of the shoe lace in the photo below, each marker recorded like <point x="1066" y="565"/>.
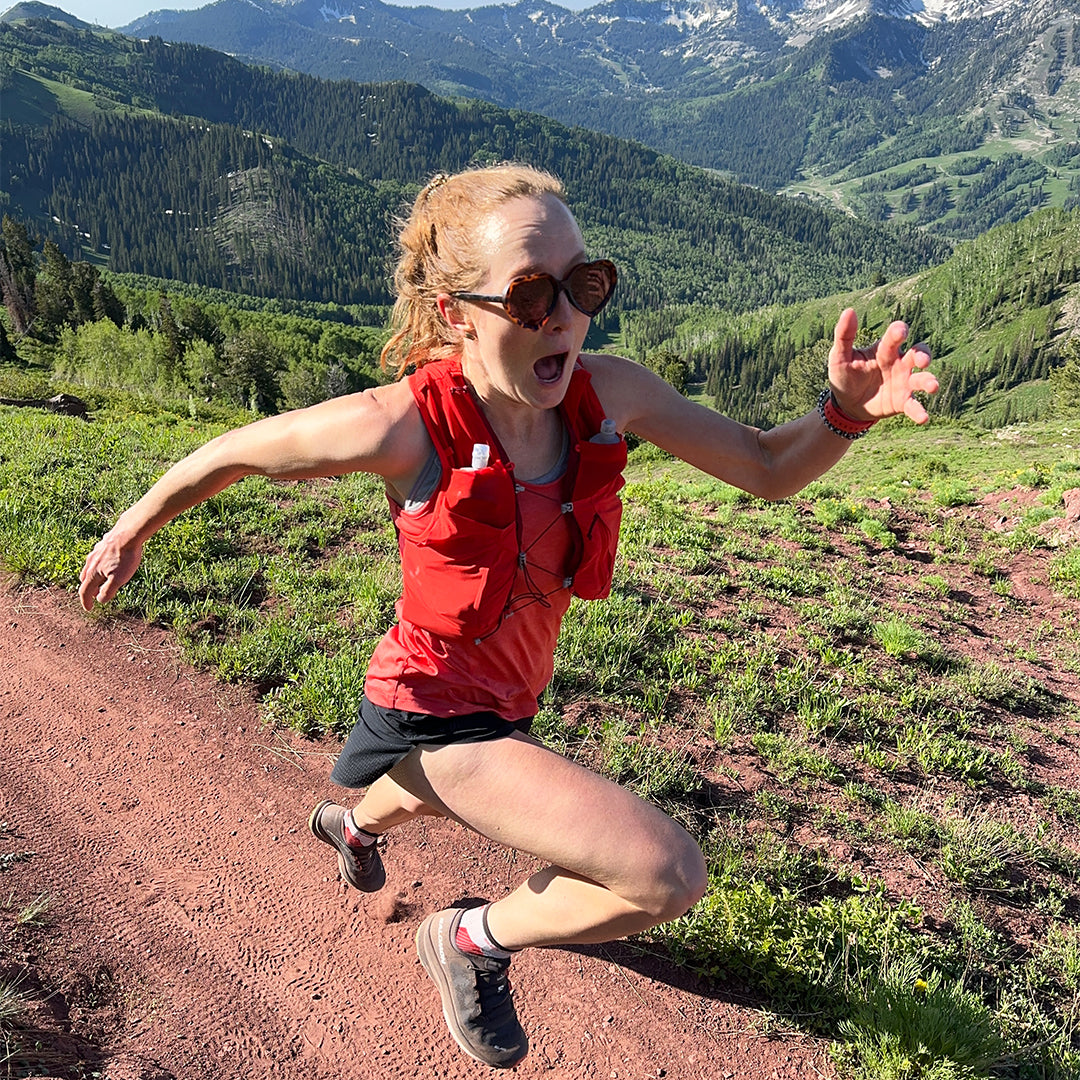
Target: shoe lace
<point x="493" y="990"/>
<point x="361" y="857"/>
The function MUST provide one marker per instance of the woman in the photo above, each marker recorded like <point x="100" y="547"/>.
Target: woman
<point x="495" y="296"/>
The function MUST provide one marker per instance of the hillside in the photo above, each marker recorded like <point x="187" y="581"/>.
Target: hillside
<point x="999" y="314"/>
<point x="179" y="162"/>
<point x="800" y="96"/>
<point x="863" y="701"/>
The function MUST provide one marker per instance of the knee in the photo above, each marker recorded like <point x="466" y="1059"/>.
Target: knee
<point x="679" y="881"/>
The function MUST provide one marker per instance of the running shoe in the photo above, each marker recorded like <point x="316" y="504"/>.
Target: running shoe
<point x="475" y="992"/>
<point x="362" y="868"/>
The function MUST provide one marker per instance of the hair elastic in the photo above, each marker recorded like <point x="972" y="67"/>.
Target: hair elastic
<point x="436" y="181"/>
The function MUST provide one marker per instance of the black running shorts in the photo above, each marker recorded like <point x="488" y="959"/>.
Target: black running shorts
<point x="382" y="737"/>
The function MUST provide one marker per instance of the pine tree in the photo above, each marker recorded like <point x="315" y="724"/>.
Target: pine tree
<point x="8" y="355"/>
<point x="52" y="293"/>
<point x="106" y="304"/>
<point x="170" y="332"/>
<point x="1065" y="381"/>
<point x="17" y="275"/>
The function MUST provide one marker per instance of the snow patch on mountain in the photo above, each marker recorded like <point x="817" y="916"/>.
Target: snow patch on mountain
<point x="694" y="16"/>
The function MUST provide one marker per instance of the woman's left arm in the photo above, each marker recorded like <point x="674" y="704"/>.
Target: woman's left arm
<point x="868" y="384"/>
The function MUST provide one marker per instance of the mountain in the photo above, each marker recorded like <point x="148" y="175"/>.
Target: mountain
<point x="1002" y="314"/>
<point x="31" y="9"/>
<point x="180" y="162"/>
<point x="770" y="93"/>
<point x="886" y="108"/>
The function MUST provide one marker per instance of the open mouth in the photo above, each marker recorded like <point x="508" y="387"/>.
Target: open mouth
<point x="549" y="369"/>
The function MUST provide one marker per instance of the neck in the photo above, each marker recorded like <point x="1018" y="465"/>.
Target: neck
<point x="531" y="438"/>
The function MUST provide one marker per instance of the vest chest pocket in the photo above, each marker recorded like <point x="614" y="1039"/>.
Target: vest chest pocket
<point x="478" y="496"/>
<point x="600" y="532"/>
<point x="598" y="510"/>
<point x="459" y="573"/>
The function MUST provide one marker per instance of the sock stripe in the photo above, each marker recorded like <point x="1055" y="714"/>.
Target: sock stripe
<point x="464" y="943"/>
<point x="355" y="837"/>
<point x="474" y="938"/>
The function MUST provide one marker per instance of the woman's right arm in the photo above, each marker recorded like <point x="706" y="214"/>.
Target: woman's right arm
<point x="377" y="431"/>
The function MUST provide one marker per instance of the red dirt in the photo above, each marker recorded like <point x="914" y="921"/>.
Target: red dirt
<point x="196" y="931"/>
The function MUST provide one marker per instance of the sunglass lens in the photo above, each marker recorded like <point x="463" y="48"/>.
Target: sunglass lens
<point x="590" y="286"/>
<point x="531" y="299"/>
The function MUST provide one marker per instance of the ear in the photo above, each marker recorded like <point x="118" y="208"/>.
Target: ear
<point x="454" y="315"/>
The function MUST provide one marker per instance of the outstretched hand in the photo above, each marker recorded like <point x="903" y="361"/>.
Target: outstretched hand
<point x="878" y="380"/>
<point x="108" y="567"/>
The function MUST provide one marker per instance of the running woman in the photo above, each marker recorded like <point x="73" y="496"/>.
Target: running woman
<point x="503" y="481"/>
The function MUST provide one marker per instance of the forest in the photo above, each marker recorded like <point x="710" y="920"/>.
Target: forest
<point x="180" y="221"/>
<point x="303" y="211"/>
<point x="766" y="112"/>
<point x="999" y="315"/>
<point x="1002" y="343"/>
<point x="161" y="341"/>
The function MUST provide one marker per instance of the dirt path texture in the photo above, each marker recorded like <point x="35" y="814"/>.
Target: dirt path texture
<point x="190" y="928"/>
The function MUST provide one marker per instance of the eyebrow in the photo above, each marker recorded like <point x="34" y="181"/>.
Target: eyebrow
<point x="534" y="268"/>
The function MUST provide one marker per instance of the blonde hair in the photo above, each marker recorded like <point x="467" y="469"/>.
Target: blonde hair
<point x="440" y="251"/>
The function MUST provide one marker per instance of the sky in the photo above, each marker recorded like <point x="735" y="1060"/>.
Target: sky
<point x="116" y="13"/>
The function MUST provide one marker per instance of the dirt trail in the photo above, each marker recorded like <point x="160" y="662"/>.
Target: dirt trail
<point x="195" y="929"/>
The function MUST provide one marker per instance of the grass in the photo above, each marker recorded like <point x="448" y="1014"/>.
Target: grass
<point x="847" y="697"/>
<point x="12" y="1003"/>
<point x="13" y="996"/>
<point x="33" y="914"/>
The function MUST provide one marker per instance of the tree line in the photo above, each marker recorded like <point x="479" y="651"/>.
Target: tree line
<point x="994" y="315"/>
<point x="323" y="168"/>
<point x="99" y="332"/>
<point x="241" y="209"/>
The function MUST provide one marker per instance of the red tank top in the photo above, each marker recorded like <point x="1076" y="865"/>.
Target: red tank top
<point x="490" y="563"/>
<point x="504" y="673"/>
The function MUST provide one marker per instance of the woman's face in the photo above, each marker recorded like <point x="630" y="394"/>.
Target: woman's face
<point x="504" y="362"/>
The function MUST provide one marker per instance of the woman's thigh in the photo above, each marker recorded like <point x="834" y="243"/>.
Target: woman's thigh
<point x="517" y="792"/>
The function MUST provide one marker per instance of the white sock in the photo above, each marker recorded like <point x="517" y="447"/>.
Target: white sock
<point x="354" y="835"/>
<point x="474" y="937"/>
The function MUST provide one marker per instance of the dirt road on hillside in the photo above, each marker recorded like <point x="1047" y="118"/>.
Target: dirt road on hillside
<point x="194" y="930"/>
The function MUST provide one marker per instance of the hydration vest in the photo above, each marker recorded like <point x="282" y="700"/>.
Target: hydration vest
<point x="461" y="553"/>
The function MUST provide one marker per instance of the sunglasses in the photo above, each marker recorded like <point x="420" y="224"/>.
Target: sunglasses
<point x="531" y="298"/>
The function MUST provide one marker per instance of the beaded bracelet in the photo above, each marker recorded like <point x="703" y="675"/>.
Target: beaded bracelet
<point x="837" y="421"/>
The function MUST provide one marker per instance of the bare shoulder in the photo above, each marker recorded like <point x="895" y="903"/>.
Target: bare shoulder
<point x="613" y="376"/>
<point x="383" y="427"/>
<point x="379" y="431"/>
<point x="602" y="366"/>
<point x="625" y="388"/>
<point x="391" y="401"/>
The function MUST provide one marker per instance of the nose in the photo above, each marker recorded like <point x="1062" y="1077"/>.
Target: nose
<point x="562" y="313"/>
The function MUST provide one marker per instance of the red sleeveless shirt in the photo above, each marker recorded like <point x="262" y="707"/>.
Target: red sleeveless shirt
<point x="490" y="563"/>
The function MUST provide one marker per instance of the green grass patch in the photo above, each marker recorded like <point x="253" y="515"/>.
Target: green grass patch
<point x="769" y="673"/>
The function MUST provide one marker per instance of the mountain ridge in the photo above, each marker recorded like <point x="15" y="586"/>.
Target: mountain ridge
<point x="713" y="82"/>
<point x="952" y="127"/>
<point x="177" y="162"/>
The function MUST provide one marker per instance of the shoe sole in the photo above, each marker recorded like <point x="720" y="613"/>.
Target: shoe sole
<point x="428" y="947"/>
<point x="315" y="826"/>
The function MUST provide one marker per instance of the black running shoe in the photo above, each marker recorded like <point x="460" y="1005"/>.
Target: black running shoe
<point x="362" y="869"/>
<point x="475" y="994"/>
